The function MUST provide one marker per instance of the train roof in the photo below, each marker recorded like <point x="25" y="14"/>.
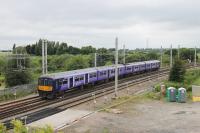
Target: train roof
<point x="137" y="63"/>
<point x="109" y="67"/>
<point x="90" y="70"/>
<point x="152" y="61"/>
<point x="69" y="73"/>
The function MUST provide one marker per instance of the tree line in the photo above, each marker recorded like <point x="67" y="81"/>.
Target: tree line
<point x="58" y="48"/>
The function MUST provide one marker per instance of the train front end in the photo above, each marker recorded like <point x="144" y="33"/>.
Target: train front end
<point x="45" y="88"/>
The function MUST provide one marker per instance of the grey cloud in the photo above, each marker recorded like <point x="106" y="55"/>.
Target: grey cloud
<point x="98" y="22"/>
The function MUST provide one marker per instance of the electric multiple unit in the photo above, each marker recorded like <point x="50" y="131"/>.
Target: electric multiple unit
<point x="52" y="84"/>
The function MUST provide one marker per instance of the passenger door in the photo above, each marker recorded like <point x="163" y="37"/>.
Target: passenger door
<point x="71" y="82"/>
<point x="86" y="78"/>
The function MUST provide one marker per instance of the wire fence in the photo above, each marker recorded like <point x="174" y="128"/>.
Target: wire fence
<point x="19" y="90"/>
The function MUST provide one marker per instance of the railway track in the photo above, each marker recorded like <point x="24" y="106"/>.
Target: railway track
<point x="72" y="101"/>
<point x="33" y="105"/>
<point x="14" y="108"/>
<point x="24" y="101"/>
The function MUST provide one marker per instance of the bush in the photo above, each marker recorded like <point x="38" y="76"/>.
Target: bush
<point x="20" y="77"/>
<point x="157" y="87"/>
<point x="77" y="62"/>
<point x="2" y="128"/>
<point x="19" y="127"/>
<point x="152" y="95"/>
<point x="177" y="71"/>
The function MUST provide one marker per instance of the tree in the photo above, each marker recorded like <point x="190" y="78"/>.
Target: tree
<point x="28" y="49"/>
<point x="88" y="50"/>
<point x="136" y="56"/>
<point x="2" y="64"/>
<point x="177" y="71"/>
<point x="15" y="74"/>
<point x="102" y="51"/>
<point x="77" y="62"/>
<point x="3" y="128"/>
<point x="151" y="56"/>
<point x="14" y="46"/>
<point x="186" y="54"/>
<point x="174" y="52"/>
<point x="19" y="127"/>
<point x="74" y="50"/>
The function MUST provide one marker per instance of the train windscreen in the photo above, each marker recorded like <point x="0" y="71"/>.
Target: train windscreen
<point x="45" y="82"/>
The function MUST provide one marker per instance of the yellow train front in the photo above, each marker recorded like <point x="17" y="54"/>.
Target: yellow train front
<point x="46" y="88"/>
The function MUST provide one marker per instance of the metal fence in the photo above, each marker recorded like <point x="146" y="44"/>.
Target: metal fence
<point x="195" y="90"/>
<point x="195" y="93"/>
<point x="21" y="89"/>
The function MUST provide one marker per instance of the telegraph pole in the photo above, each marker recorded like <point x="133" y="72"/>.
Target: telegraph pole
<point x="171" y="57"/>
<point x="95" y="59"/>
<point x="44" y="57"/>
<point x="161" y="52"/>
<point x="46" y="66"/>
<point x="195" y="57"/>
<point x="43" y="72"/>
<point x="124" y="61"/>
<point x="116" y="66"/>
<point x="17" y="58"/>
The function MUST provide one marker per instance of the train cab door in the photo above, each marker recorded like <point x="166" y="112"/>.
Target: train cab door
<point x="71" y="82"/>
<point x="86" y="78"/>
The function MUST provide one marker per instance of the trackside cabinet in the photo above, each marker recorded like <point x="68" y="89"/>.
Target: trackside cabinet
<point x="171" y="94"/>
<point x="181" y="95"/>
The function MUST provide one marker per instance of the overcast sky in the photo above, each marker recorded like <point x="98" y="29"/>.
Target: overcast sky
<point x="98" y="22"/>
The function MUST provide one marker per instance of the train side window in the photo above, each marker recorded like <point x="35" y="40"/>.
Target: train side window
<point x="104" y="73"/>
<point x="101" y="73"/>
<point x="112" y="71"/>
<point x="65" y="81"/>
<point x="81" y="78"/>
<point x="76" y="79"/>
<point x="93" y="75"/>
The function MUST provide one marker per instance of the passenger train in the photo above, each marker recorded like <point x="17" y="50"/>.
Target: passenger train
<point x="50" y="85"/>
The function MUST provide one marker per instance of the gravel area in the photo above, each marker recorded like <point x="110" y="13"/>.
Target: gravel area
<point x="145" y="116"/>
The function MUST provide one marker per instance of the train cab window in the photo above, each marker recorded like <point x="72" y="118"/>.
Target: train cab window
<point x="45" y="82"/>
<point x="40" y="82"/>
